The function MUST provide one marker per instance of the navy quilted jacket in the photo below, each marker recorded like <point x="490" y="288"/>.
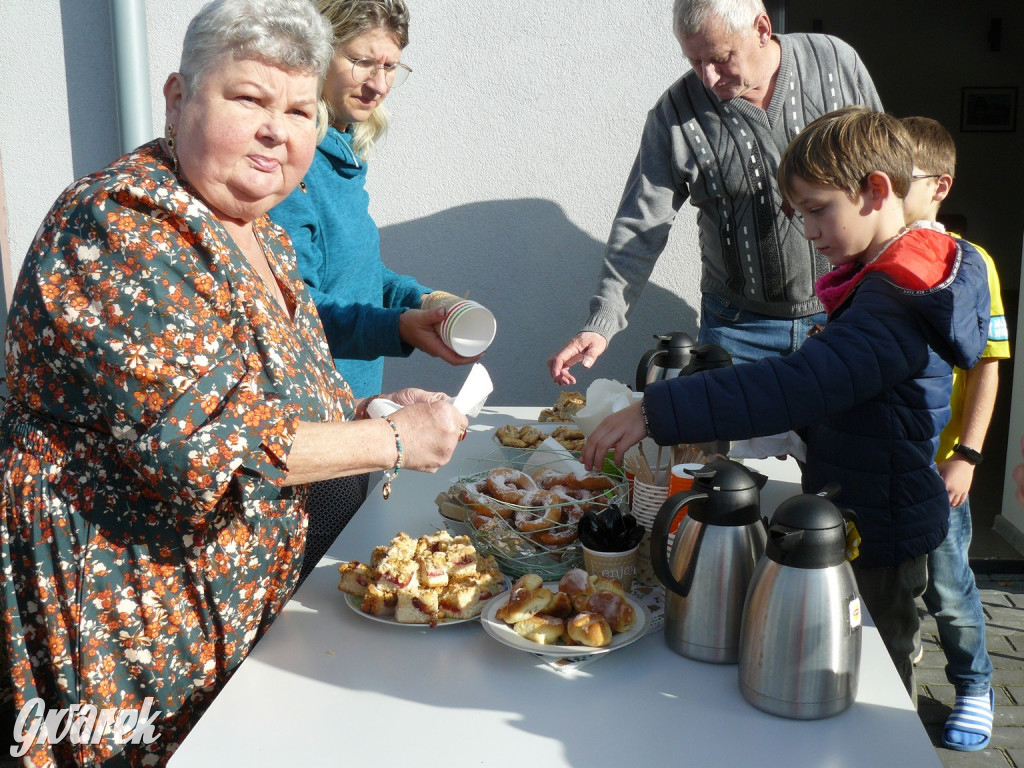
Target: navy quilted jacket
<point x="870" y="393"/>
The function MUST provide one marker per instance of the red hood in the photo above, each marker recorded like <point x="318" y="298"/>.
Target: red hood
<point x="917" y="260"/>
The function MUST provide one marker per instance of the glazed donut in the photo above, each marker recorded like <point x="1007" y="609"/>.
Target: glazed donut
<point x="530" y="522"/>
<point x="507" y="484"/>
<point x="479" y="520"/>
<point x="537" y="498"/>
<point x="479" y="504"/>
<point x="556" y="537"/>
<point x="574" y="514"/>
<point x="547" y="478"/>
<point x="591" y="482"/>
<point x="571" y="494"/>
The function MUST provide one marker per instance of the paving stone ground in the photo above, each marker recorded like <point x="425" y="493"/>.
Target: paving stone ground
<point x="1003" y="598"/>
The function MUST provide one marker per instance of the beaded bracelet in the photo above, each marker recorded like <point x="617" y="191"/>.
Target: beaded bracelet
<point x="390" y="474"/>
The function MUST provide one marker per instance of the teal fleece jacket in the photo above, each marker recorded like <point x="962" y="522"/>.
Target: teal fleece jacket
<point x="338" y="249"/>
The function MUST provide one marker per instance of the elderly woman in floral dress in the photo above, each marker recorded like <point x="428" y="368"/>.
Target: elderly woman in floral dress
<point x="171" y="396"/>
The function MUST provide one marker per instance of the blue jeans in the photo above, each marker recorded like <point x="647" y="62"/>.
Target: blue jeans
<point x="952" y="598"/>
<point x="749" y="336"/>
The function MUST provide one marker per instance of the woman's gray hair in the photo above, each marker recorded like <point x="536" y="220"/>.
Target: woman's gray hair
<point x="690" y="16"/>
<point x="287" y="33"/>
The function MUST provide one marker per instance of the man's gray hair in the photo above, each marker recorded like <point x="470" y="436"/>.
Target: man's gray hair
<point x="690" y="16"/>
<point x="287" y="33"/>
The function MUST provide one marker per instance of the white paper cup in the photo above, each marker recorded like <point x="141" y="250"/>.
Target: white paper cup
<point x="468" y="327"/>
<point x="612" y="565"/>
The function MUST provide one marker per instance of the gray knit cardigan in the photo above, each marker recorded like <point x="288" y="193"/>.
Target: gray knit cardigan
<point x="723" y="156"/>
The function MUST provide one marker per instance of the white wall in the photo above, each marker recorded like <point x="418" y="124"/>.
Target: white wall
<point x="506" y="158"/>
<point x="509" y="147"/>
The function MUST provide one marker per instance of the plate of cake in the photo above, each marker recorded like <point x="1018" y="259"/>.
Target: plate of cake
<point x="579" y="615"/>
<point x="432" y="580"/>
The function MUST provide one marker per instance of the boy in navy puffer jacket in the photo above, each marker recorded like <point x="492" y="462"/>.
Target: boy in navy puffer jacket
<point x="870" y="393"/>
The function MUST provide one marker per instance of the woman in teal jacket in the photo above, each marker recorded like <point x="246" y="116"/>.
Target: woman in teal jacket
<point x="368" y="311"/>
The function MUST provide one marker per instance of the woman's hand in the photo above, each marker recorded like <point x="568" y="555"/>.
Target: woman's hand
<point x="416" y="328"/>
<point x="412" y="395"/>
<point x="621" y="431"/>
<point x="429" y="432"/>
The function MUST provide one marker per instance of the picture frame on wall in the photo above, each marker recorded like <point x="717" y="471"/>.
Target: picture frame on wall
<point x="988" y="109"/>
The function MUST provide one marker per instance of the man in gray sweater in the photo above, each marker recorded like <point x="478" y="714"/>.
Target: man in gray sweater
<point x="715" y="137"/>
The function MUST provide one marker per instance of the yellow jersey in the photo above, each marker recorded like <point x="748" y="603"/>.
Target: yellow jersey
<point x="998" y="347"/>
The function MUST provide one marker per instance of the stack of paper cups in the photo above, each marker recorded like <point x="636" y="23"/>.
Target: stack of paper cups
<point x="468" y="327"/>
<point x="647" y="500"/>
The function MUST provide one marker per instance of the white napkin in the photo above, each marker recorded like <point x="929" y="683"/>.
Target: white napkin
<point x="604" y="397"/>
<point x="784" y="444"/>
<point x="474" y="392"/>
<point x="552" y="455"/>
<point x="469" y="401"/>
<point x="381" y="407"/>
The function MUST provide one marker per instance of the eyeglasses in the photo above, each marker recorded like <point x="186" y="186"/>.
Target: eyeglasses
<point x="366" y="69"/>
<point x="919" y="176"/>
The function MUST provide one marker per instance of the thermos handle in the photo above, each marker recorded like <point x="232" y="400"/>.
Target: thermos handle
<point x="659" y="542"/>
<point x="645" y="364"/>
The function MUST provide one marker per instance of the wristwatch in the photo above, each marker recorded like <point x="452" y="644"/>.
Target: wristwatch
<point x="972" y="456"/>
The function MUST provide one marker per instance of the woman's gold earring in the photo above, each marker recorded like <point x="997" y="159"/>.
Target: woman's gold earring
<point x="171" y="149"/>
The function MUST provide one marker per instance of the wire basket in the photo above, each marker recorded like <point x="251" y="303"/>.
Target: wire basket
<point x="518" y="552"/>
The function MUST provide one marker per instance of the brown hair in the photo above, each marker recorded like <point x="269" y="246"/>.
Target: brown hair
<point x="840" y="149"/>
<point x="934" y="148"/>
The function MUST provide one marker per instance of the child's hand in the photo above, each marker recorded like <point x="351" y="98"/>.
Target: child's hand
<point x="958" y="475"/>
<point x="621" y="431"/>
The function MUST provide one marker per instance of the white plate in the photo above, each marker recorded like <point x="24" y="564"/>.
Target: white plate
<point x="355" y="603"/>
<point x="504" y="633"/>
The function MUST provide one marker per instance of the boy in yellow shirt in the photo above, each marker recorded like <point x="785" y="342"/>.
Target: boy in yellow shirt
<point x="952" y="595"/>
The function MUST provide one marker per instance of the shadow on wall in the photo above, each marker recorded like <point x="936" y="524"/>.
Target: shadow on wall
<point x="536" y="270"/>
<point x="89" y="73"/>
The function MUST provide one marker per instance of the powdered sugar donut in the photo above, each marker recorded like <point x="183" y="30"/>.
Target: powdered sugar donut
<point x="507" y="484"/>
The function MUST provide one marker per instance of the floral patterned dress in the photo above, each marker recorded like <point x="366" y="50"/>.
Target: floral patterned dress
<point x="146" y="539"/>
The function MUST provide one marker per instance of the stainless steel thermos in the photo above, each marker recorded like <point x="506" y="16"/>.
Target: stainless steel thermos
<point x="801" y="630"/>
<point x="713" y="557"/>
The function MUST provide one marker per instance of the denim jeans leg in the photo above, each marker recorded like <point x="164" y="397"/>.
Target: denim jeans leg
<point x="749" y="336"/>
<point x="952" y="598"/>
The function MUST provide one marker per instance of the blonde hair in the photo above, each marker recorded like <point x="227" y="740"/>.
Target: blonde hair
<point x="349" y="19"/>
<point x="840" y="149"/>
<point x="934" y="148"/>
